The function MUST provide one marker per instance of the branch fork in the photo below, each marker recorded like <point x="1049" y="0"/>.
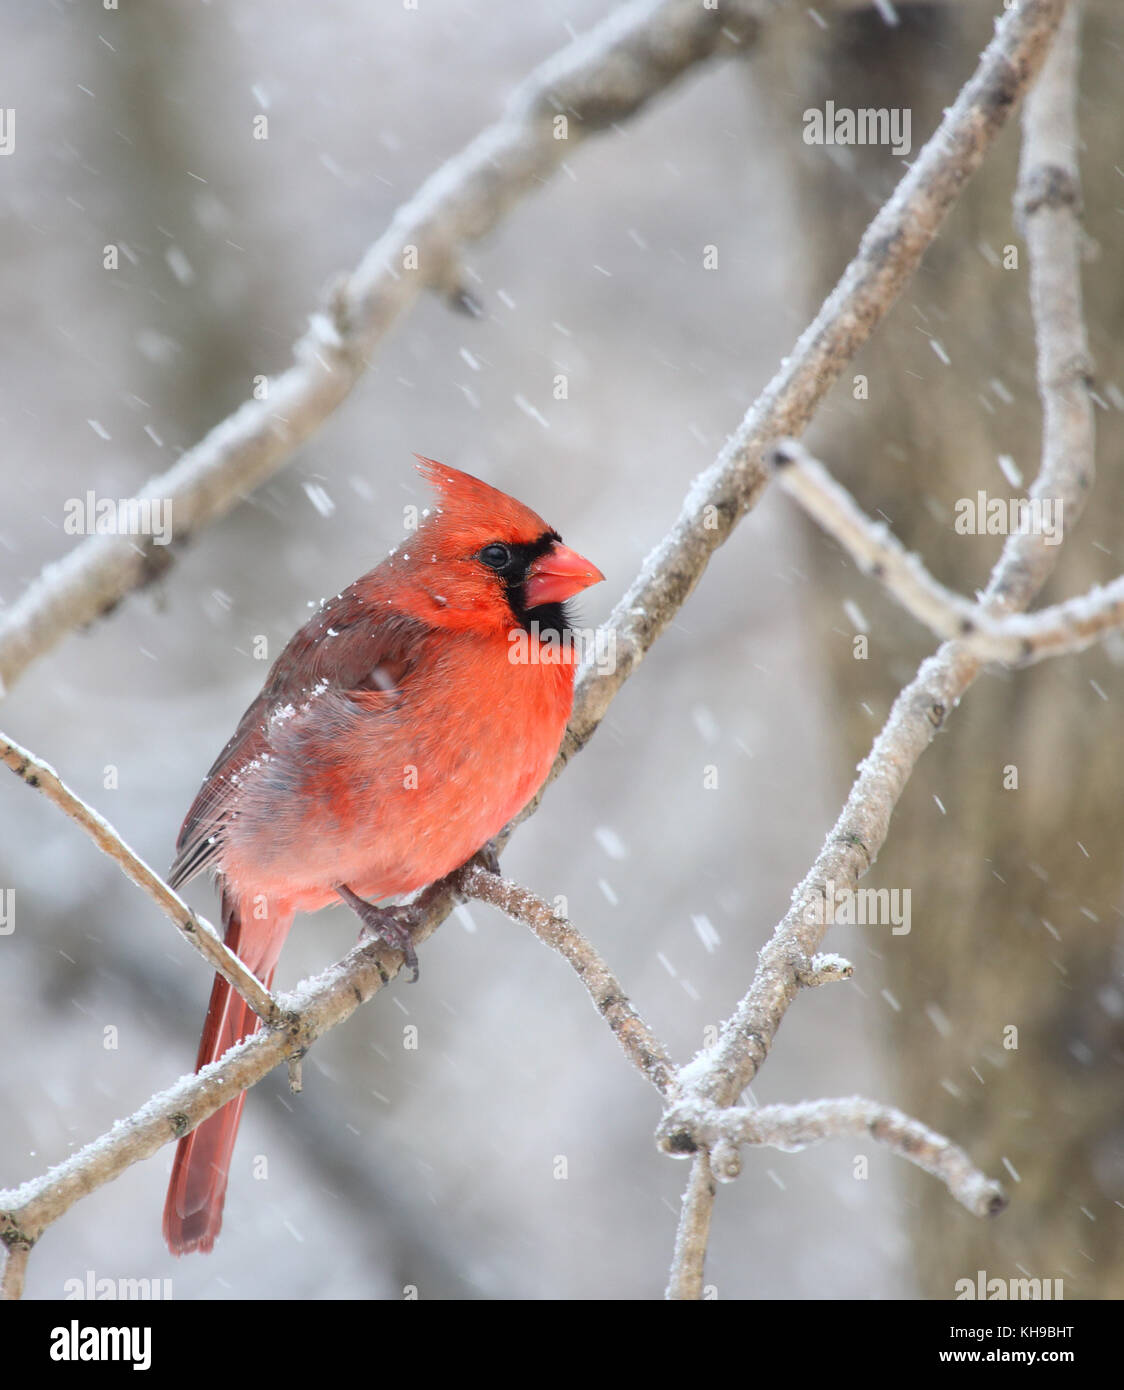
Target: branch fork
<point x="693" y="1124"/>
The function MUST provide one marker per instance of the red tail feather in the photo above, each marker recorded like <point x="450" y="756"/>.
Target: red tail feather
<point x="193" y="1209"/>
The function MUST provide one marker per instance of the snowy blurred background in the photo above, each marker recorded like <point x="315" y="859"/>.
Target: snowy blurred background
<point x="433" y="1167"/>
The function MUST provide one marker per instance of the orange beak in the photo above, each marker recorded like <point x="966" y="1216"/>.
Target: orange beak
<point x="558" y="575"/>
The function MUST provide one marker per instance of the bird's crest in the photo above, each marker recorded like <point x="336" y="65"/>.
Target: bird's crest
<point x="471" y="505"/>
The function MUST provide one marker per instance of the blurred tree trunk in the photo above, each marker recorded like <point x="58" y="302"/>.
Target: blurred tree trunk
<point x="1016" y="892"/>
<point x="176" y="182"/>
<point x="175" y="152"/>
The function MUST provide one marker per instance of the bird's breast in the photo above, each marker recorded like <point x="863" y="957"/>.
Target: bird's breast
<point x="387" y="790"/>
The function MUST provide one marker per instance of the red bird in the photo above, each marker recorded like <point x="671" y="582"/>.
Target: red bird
<point x="395" y="734"/>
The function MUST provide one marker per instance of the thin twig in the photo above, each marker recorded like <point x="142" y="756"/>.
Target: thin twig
<point x="598" y="81"/>
<point x="920" y="710"/>
<point x="1016" y="639"/>
<point x="871" y="544"/>
<point x="1048" y="209"/>
<point x="796" y="1127"/>
<point x="643" y="1049"/>
<point x="15" y="1270"/>
<point x="317" y="1006"/>
<point x="693" y="1233"/>
<point x="197" y="930"/>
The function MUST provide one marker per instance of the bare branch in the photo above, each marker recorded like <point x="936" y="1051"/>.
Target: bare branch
<point x="315" y="1007"/>
<point x="918" y="713"/>
<point x="871" y="544"/>
<point x="795" y="1127"/>
<point x="693" y="1234"/>
<point x="889" y="253"/>
<point x="1057" y="631"/>
<point x="596" y="82"/>
<point x="15" y="1270"/>
<point x="300" y="1018"/>
<point x="641" y="1046"/>
<point x="1048" y="207"/>
<point x="1009" y="63"/>
<point x="197" y="930"/>
<point x="1017" y="639"/>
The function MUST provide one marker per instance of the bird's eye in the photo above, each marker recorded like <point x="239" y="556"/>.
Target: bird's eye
<point x="496" y="556"/>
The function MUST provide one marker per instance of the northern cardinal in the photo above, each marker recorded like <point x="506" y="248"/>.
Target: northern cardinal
<point x="395" y="734"/>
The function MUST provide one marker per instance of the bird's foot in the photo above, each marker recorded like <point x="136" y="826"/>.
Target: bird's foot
<point x="487" y="858"/>
<point x="393" y="926"/>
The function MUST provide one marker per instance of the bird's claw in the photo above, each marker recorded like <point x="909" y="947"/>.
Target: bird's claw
<point x="487" y="858"/>
<point x="391" y="926"/>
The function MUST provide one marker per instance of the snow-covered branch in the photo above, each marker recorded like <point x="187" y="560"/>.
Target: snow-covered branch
<point x="796" y="1127"/>
<point x="15" y="1270"/>
<point x="1016" y="639"/>
<point x="1048" y="210"/>
<point x="871" y="544"/>
<point x="197" y="930"/>
<point x="889" y="253"/>
<point x="1008" y="65"/>
<point x="316" y="1006"/>
<point x="640" y="1044"/>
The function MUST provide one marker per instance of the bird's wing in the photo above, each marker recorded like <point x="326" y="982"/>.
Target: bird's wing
<point x="348" y="645"/>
